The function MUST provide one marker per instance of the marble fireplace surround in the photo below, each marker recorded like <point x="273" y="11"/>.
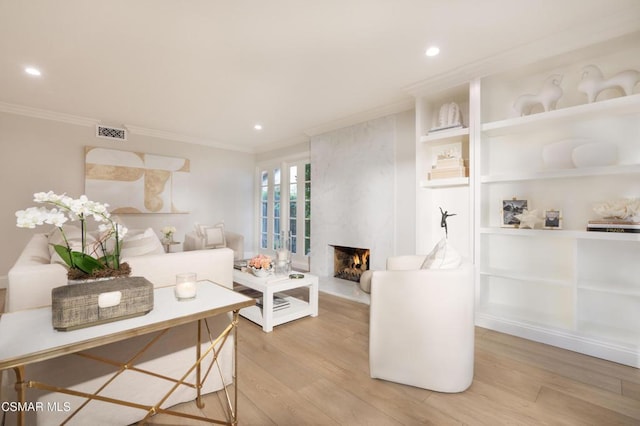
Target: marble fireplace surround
<point x="353" y="195"/>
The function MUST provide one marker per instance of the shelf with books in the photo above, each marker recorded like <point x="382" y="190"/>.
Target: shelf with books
<point x="577" y="234"/>
<point x="444" y="183"/>
<point x="451" y="135"/>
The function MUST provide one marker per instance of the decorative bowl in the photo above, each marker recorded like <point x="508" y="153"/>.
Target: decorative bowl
<point x="557" y="155"/>
<point x="596" y="154"/>
<point x="261" y="273"/>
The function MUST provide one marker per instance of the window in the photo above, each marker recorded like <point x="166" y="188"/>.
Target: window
<point x="285" y="205"/>
<point x="300" y="209"/>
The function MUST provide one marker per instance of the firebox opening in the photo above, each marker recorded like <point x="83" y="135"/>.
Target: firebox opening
<point x="350" y="262"/>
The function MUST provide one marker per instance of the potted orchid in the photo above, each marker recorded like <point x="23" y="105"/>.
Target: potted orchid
<point x="93" y="258"/>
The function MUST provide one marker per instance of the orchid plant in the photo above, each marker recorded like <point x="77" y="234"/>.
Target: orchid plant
<point x="93" y="259"/>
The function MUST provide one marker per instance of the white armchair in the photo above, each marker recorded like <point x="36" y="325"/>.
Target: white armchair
<point x="421" y="328"/>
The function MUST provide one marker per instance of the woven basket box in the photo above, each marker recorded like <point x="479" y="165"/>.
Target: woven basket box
<point x="83" y="305"/>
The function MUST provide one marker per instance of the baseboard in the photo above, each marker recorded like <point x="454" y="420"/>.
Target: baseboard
<point x="620" y="353"/>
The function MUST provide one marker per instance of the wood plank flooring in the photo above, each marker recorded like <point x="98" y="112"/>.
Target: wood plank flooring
<point x="315" y="371"/>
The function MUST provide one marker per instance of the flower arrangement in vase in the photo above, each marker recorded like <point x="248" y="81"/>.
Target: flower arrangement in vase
<point x="167" y="232"/>
<point x="260" y="265"/>
<point x="90" y="257"/>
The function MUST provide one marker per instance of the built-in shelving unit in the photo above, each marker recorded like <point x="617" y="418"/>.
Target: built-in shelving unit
<point x="568" y="287"/>
<point x="452" y="194"/>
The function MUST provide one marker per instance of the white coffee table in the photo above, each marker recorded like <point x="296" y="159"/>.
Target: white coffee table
<point x="272" y="286"/>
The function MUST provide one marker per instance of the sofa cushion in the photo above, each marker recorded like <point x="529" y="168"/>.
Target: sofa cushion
<point x="443" y="256"/>
<point x="141" y="244"/>
<point x="212" y="235"/>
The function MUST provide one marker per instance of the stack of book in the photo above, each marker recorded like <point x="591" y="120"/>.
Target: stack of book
<point x="449" y="167"/>
<point x="279" y="303"/>
<point x="614" y="225"/>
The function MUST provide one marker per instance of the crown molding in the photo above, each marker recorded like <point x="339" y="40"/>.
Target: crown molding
<point x="48" y="115"/>
<point x="91" y="122"/>
<point x="361" y="117"/>
<point x="282" y="144"/>
<point x="161" y="134"/>
<point x="605" y="29"/>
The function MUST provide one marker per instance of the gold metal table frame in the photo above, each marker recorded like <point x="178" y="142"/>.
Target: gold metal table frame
<point x="230" y="302"/>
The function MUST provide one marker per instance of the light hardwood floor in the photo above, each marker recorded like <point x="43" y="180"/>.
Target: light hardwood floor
<point x="315" y="371"/>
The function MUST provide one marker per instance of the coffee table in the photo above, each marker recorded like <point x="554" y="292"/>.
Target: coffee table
<point x="272" y="286"/>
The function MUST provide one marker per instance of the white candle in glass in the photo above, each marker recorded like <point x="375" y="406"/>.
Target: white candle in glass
<point x="185" y="285"/>
<point x="282" y="255"/>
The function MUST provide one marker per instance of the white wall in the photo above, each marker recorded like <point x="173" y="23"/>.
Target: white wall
<point x="42" y="155"/>
<point x="363" y="192"/>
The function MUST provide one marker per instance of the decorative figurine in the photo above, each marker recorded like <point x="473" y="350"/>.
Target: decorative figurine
<point x="443" y="221"/>
<point x="593" y="82"/>
<point x="547" y="97"/>
<point x="528" y="219"/>
<point x="449" y="117"/>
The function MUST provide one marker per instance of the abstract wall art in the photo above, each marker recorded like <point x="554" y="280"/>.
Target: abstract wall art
<point x="135" y="182"/>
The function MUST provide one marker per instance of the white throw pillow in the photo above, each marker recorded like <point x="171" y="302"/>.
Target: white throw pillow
<point x="443" y="256"/>
<point x="214" y="236"/>
<point x="141" y="244"/>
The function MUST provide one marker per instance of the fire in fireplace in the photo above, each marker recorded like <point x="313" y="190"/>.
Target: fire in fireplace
<point x="349" y="262"/>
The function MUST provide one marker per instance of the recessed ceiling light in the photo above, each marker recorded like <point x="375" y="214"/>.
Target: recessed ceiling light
<point x="33" y="71"/>
<point x="258" y="127"/>
<point x="432" y="51"/>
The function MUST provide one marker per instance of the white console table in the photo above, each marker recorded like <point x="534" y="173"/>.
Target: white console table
<point x="274" y="286"/>
<point x="28" y="336"/>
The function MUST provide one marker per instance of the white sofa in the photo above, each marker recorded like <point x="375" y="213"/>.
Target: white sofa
<point x="421" y="327"/>
<point x="29" y="286"/>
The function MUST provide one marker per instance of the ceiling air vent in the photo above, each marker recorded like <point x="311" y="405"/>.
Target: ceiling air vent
<point x="111" y="133"/>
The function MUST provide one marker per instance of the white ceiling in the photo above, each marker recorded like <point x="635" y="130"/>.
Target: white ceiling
<point x="207" y="70"/>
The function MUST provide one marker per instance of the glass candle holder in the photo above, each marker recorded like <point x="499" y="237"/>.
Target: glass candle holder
<point x="185" y="286"/>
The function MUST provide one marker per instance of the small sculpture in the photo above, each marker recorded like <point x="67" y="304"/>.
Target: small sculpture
<point x="593" y="82"/>
<point x="443" y="221"/>
<point x="548" y="96"/>
<point x="449" y="116"/>
<point x="528" y="219"/>
<point x="622" y="209"/>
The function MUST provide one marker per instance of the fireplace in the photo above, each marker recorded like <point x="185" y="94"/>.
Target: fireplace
<point x="350" y="262"/>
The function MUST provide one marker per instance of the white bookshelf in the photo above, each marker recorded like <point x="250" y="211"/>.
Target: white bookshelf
<point x="567" y="287"/>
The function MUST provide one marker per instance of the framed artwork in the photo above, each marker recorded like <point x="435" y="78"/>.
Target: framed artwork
<point x="552" y="219"/>
<point x="511" y="208"/>
<point x="136" y="182"/>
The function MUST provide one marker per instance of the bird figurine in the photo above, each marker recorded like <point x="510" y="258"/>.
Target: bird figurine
<point x="547" y="97"/>
<point x="593" y="82"/>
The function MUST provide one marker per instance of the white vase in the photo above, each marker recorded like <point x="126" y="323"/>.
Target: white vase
<point x="557" y="155"/>
<point x="596" y="154"/>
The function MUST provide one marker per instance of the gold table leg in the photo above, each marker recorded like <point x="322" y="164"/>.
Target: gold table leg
<point x="21" y="390"/>
<point x="232" y="419"/>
